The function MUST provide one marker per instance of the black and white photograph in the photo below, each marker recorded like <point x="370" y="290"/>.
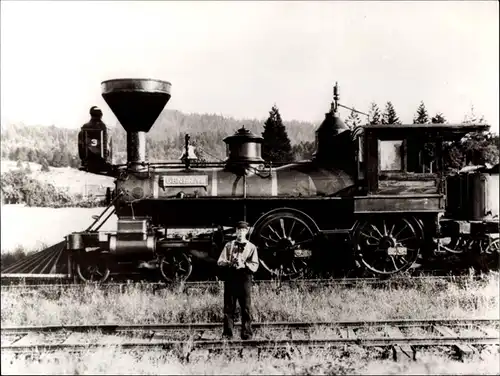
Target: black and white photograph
<point x="250" y="187"/>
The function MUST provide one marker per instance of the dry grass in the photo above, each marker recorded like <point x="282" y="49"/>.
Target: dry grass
<point x="92" y="306"/>
<point x="308" y="362"/>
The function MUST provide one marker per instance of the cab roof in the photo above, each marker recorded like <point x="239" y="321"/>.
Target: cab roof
<point x="447" y="131"/>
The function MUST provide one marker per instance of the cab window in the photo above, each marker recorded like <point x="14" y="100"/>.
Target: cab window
<point x="422" y="156"/>
<point x="391" y="155"/>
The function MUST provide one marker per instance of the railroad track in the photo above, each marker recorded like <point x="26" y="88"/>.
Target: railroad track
<point x="403" y="337"/>
<point x="301" y="283"/>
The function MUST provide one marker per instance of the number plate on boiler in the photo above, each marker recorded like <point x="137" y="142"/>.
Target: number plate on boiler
<point x="184" y="181"/>
<point x="397" y="251"/>
<point x="302" y="253"/>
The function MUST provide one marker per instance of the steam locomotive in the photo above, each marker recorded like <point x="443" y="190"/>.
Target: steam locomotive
<point x="374" y="198"/>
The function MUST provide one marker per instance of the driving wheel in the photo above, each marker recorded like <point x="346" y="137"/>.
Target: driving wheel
<point x="388" y="246"/>
<point x="285" y="241"/>
<point x="491" y="254"/>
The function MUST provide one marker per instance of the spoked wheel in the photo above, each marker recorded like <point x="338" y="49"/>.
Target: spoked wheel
<point x="92" y="268"/>
<point x="284" y="240"/>
<point x="175" y="267"/>
<point x="388" y="246"/>
<point x="491" y="255"/>
<point x="493" y="248"/>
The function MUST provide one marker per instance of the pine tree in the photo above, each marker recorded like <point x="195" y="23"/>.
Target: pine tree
<point x="422" y="117"/>
<point x="276" y="146"/>
<point x="374" y="114"/>
<point x="56" y="159"/>
<point x="472" y="118"/>
<point x="452" y="153"/>
<point x="478" y="147"/>
<point x="65" y="158"/>
<point x="428" y="149"/>
<point x="390" y="116"/>
<point x="303" y="150"/>
<point x="353" y="120"/>
<point x="31" y="156"/>
<point x="438" y="119"/>
<point x="475" y="148"/>
<point x="45" y="165"/>
<point x="14" y="154"/>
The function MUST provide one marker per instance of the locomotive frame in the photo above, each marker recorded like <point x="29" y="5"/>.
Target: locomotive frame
<point x="381" y="208"/>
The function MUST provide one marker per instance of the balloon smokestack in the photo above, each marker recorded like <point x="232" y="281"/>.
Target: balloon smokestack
<point x="136" y="103"/>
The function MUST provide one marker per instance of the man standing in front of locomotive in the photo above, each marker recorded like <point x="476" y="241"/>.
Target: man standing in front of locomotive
<point x="239" y="260"/>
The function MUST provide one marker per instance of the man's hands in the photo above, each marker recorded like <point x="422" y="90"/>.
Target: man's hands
<point x="238" y="263"/>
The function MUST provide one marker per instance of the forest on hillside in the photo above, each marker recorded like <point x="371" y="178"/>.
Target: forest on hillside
<point x="57" y="146"/>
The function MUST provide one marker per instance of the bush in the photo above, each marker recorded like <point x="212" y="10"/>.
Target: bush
<point x="10" y="258"/>
<point x="18" y="188"/>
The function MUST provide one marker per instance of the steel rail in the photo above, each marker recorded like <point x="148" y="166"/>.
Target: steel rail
<point x="395" y="338"/>
<point x="272" y="324"/>
<point x="269" y="344"/>
<point x="207" y="284"/>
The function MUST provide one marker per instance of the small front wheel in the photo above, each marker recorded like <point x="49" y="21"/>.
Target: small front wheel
<point x="92" y="267"/>
<point x="175" y="268"/>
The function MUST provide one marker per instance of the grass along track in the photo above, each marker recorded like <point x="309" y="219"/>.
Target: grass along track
<point x="134" y="305"/>
<point x="425" y="299"/>
<point x="404" y="337"/>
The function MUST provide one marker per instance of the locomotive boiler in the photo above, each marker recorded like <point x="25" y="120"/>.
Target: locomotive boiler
<point x="370" y="197"/>
<point x="369" y="188"/>
<point x="152" y="198"/>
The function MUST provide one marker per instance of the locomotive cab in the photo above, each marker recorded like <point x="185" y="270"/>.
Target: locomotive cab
<point x="404" y="170"/>
<point x="397" y="156"/>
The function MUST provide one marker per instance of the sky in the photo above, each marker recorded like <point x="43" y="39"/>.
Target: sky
<point x="239" y="58"/>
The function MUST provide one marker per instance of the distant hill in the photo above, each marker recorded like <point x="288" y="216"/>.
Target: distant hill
<point x="58" y="145"/>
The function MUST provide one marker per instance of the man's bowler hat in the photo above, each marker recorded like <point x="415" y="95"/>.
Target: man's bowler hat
<point x="242" y="224"/>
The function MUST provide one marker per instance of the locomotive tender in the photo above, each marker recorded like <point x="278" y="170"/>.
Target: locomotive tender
<point x="375" y="196"/>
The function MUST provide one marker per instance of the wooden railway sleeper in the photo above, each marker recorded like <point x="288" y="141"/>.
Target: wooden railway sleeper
<point x="400" y="352"/>
<point x="464" y="351"/>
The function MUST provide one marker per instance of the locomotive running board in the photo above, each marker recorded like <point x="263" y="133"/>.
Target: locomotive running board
<point x="337" y="231"/>
<point x="430" y="203"/>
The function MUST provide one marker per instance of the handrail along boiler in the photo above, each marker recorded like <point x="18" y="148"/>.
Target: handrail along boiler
<point x="374" y="195"/>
